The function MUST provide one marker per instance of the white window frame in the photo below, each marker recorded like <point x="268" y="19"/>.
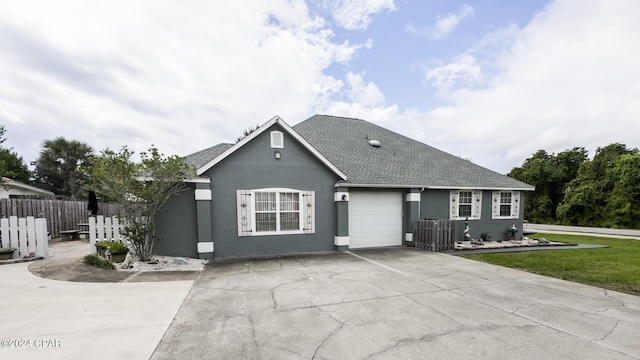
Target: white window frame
<point x="277" y="140"/>
<point x="496" y="203"/>
<point x="476" y="204"/>
<point x="247" y="212"/>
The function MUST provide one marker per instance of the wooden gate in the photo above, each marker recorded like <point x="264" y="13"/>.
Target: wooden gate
<point x="434" y="235"/>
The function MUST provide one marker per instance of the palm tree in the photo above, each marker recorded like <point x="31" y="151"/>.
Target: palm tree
<point x="58" y="167"/>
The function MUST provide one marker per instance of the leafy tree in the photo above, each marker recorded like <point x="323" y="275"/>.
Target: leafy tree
<point x="12" y="165"/>
<point x="550" y="174"/>
<point x="588" y="197"/>
<point x="62" y="165"/>
<point x="623" y="208"/>
<point x="141" y="188"/>
<point x="247" y="132"/>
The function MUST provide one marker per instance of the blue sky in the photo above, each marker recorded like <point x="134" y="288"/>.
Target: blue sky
<point x="489" y="81"/>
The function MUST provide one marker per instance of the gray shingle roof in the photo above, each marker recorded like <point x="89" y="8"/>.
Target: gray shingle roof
<point x="398" y="161"/>
<point x="202" y="157"/>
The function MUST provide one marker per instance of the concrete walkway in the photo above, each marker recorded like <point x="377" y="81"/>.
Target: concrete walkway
<point x="51" y="319"/>
<point x="396" y="304"/>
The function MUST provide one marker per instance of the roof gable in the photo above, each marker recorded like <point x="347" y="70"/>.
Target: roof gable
<point x="220" y="152"/>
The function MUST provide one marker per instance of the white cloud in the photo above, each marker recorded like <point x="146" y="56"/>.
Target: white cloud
<point x="181" y="76"/>
<point x="464" y="69"/>
<point x="356" y="14"/>
<point x="361" y="100"/>
<point x="570" y="78"/>
<point x="445" y="24"/>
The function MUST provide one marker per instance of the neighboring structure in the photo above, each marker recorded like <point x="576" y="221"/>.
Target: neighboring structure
<point x="329" y="183"/>
<point x="12" y="188"/>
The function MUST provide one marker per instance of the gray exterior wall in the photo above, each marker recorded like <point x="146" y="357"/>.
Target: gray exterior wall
<point x="177" y="226"/>
<point x="254" y="167"/>
<point x="434" y="204"/>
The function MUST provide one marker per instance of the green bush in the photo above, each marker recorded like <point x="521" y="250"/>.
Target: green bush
<point x="95" y="260"/>
<point x="116" y="247"/>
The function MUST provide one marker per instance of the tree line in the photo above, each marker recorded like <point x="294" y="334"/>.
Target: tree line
<point x="571" y="189"/>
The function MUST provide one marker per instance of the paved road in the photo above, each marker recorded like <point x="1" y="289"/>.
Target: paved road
<point x="622" y="233"/>
<point x="396" y="304"/>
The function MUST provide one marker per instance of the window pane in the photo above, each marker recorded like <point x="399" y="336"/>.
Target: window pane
<point x="265" y="202"/>
<point x="265" y="222"/>
<point x="465" y="197"/>
<point x="464" y="204"/>
<point x="289" y="202"/>
<point x="505" y="210"/>
<point x="464" y="211"/>
<point x="505" y="198"/>
<point x="289" y="221"/>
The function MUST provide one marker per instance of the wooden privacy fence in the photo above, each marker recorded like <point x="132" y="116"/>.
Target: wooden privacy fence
<point x="27" y="235"/>
<point x="104" y="228"/>
<point x="61" y="215"/>
<point x="434" y="235"/>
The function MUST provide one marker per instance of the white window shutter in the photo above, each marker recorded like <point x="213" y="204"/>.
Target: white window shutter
<point x="309" y="212"/>
<point x="245" y="204"/>
<point x="453" y="200"/>
<point x="495" y="204"/>
<point x="515" y="204"/>
<point x="477" y="205"/>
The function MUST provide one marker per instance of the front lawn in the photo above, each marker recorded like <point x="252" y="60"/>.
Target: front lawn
<point x="616" y="267"/>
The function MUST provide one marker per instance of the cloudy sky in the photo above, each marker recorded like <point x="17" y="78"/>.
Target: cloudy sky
<point x="490" y="80"/>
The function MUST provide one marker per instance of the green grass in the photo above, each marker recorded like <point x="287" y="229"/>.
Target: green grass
<point x="616" y="267"/>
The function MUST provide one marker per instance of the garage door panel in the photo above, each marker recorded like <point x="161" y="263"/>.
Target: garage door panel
<point x="375" y="219"/>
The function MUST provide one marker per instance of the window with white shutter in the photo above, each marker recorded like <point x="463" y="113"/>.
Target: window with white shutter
<point x="506" y="205"/>
<point x="275" y="211"/>
<point x="465" y="204"/>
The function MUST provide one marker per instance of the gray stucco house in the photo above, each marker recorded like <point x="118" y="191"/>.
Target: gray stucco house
<point x="329" y="183"/>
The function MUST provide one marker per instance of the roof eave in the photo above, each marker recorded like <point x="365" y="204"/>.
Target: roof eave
<point x="19" y="185"/>
<point x="418" y="186"/>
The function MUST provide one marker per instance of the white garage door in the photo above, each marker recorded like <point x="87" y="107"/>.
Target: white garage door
<point x="375" y="219"/>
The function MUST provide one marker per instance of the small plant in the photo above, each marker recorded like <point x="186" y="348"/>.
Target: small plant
<point x="7" y="250"/>
<point x="484" y="236"/>
<point x="95" y="260"/>
<point x="116" y="247"/>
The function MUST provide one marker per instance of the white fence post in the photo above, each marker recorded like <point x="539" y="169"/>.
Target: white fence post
<point x="41" y="237"/>
<point x="4" y="230"/>
<point x="116" y="228"/>
<point x="13" y="235"/>
<point x="31" y="235"/>
<point x="22" y="238"/>
<point x="108" y="235"/>
<point x="100" y="227"/>
<point x="92" y="235"/>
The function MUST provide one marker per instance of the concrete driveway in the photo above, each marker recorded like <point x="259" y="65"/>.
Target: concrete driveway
<point x="396" y="304"/>
<point x="50" y="319"/>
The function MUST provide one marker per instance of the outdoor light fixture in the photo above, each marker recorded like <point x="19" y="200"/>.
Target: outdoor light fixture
<point x="276" y="154"/>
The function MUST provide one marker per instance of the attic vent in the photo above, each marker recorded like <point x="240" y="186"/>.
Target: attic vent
<point x="374" y="143"/>
<point x="277" y="140"/>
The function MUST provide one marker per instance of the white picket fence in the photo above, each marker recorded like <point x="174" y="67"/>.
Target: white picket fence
<point x="104" y="228"/>
<point x="28" y="235"/>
